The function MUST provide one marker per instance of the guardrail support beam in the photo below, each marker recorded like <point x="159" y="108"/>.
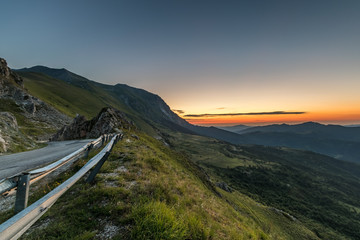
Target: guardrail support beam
<point x="22" y="193"/>
<point x="97" y="168"/>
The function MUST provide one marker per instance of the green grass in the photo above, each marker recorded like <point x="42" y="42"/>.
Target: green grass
<point x="71" y="100"/>
<point x="160" y="195"/>
<point x="155" y="220"/>
<point x="63" y="96"/>
<point x="320" y="191"/>
<point x="195" y="147"/>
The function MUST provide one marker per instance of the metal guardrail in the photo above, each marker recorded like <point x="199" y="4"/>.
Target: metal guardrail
<point x="18" y="224"/>
<point x="10" y="183"/>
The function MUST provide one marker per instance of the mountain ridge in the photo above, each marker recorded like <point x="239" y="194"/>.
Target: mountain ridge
<point x="150" y="111"/>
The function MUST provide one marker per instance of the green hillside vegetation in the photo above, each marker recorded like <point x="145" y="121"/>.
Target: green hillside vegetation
<point x="320" y="191"/>
<point x="65" y="97"/>
<point x="86" y="99"/>
<point x="149" y="191"/>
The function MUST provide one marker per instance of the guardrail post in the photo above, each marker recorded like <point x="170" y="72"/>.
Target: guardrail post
<point x="88" y="150"/>
<point x="97" y="168"/>
<point x="22" y="193"/>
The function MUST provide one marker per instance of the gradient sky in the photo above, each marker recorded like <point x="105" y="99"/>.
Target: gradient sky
<point x="213" y="57"/>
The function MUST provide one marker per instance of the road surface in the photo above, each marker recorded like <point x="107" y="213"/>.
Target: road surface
<point x="20" y="162"/>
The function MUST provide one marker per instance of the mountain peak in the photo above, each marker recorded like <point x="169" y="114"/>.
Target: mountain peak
<point x="58" y="73"/>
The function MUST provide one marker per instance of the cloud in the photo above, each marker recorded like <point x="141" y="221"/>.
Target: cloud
<point x="241" y="114"/>
<point x="178" y="111"/>
<point x="220" y="108"/>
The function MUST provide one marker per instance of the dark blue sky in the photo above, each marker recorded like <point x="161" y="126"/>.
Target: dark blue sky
<point x="210" y="54"/>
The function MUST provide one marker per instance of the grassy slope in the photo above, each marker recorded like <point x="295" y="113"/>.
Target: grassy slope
<point x="72" y="100"/>
<point x="160" y="195"/>
<point x="320" y="191"/>
<point x="63" y="96"/>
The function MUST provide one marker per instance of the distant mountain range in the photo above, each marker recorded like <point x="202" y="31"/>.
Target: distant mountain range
<point x="235" y="129"/>
<point x="327" y="131"/>
<point x="149" y="111"/>
<point x="352" y="125"/>
<point x="333" y="140"/>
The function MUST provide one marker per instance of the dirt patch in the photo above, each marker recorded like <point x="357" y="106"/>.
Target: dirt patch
<point x="109" y="230"/>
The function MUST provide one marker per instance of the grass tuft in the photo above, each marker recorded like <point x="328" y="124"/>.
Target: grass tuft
<point x="155" y="220"/>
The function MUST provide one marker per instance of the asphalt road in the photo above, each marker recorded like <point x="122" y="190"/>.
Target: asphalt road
<point x="20" y="162"/>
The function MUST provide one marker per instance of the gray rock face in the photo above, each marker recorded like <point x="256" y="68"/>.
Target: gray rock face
<point x="9" y="119"/>
<point x="8" y="128"/>
<point x="109" y="120"/>
<point x="12" y="87"/>
<point x="36" y="112"/>
<point x="8" y="79"/>
<point x="3" y="147"/>
<point x="4" y="70"/>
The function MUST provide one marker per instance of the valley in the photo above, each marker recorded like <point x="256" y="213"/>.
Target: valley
<point x="320" y="191"/>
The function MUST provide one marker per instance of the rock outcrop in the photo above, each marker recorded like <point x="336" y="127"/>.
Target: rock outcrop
<point x="11" y="139"/>
<point x="12" y="87"/>
<point x="35" y="115"/>
<point x="109" y="120"/>
<point x="8" y="126"/>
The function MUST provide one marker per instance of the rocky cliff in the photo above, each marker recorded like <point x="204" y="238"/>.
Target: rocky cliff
<point x="109" y="120"/>
<point x="37" y="120"/>
<point x="12" y="87"/>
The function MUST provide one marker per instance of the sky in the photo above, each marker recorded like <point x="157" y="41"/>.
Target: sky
<point x="215" y="62"/>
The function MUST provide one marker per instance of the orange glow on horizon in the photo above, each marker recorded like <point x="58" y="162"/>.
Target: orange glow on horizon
<point x="323" y="117"/>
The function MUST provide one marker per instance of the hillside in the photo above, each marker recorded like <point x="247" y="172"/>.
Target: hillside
<point x="61" y="88"/>
<point x="144" y="108"/>
<point x="333" y="140"/>
<point x="322" y="131"/>
<point x="320" y="191"/>
<point x="146" y="190"/>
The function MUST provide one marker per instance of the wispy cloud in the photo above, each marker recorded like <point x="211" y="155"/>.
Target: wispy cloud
<point x="220" y="108"/>
<point x="178" y="111"/>
<point x="241" y="114"/>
